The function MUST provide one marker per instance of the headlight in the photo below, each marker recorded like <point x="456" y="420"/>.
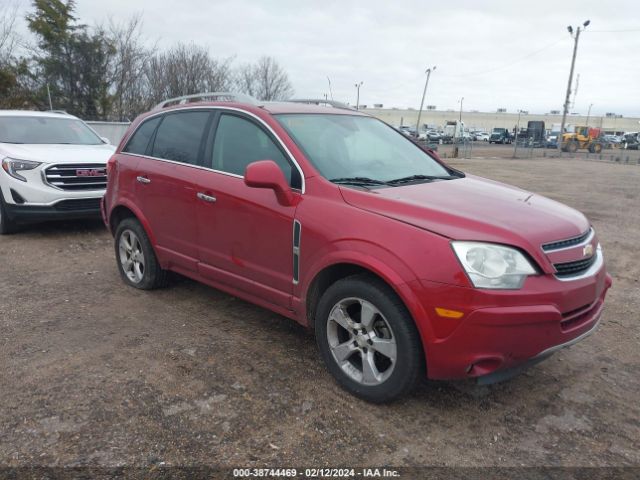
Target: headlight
<point x="493" y="266"/>
<point x="12" y="167"/>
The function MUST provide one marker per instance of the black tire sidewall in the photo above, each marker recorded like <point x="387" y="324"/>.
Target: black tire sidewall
<point x="7" y="226"/>
<point x="410" y="359"/>
<point x="150" y="278"/>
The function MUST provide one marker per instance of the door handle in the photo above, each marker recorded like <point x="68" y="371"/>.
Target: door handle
<point x="206" y="198"/>
<point x="142" y="179"/>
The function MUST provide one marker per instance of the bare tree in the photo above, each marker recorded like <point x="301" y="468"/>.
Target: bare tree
<point x="129" y="67"/>
<point x="265" y="80"/>
<point x="184" y="70"/>
<point x="8" y="35"/>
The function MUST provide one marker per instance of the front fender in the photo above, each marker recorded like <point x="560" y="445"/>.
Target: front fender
<point x="372" y="257"/>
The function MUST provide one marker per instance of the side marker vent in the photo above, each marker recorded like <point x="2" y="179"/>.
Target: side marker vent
<point x="297" y="230"/>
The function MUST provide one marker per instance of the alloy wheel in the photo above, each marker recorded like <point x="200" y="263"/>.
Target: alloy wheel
<point x="131" y="256"/>
<point x="361" y="341"/>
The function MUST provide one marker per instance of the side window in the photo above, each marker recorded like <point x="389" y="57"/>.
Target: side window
<point x="239" y="142"/>
<point x="139" y="141"/>
<point x="179" y="136"/>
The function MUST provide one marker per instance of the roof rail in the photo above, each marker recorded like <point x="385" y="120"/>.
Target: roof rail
<point x="63" y="112"/>
<point x="322" y="101"/>
<point x="209" y="96"/>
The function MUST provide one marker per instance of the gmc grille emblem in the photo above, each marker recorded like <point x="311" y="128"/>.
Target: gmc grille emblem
<point x="587" y="251"/>
<point x="94" y="172"/>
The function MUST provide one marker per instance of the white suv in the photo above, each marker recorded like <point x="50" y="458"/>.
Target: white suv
<point x="53" y="166"/>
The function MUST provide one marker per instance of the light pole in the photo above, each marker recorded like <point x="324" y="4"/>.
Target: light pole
<point x="589" y="114"/>
<point x="515" y="148"/>
<point x="573" y="64"/>
<point x="358" y="85"/>
<point x="461" y="100"/>
<point x="330" y="92"/>
<point x="424" y="93"/>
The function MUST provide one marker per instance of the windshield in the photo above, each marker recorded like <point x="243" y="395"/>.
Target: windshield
<point x="46" y="130"/>
<point x="498" y="130"/>
<point x="350" y="146"/>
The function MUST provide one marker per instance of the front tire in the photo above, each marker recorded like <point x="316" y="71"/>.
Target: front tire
<point x="137" y="262"/>
<point x="7" y="225"/>
<point x="368" y="340"/>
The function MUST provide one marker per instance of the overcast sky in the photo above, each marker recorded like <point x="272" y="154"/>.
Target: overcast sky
<point x="511" y="54"/>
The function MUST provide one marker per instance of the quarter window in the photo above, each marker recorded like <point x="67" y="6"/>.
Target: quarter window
<point x="239" y="142"/>
<point x="139" y="141"/>
<point x="179" y="136"/>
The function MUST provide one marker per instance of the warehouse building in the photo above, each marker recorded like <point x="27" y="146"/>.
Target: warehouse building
<point x="485" y="121"/>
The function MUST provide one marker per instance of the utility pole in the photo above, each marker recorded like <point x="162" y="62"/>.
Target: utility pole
<point x="515" y="149"/>
<point x="424" y="93"/>
<point x="589" y="114"/>
<point x="358" y="85"/>
<point x="573" y="64"/>
<point x="461" y="100"/>
<point x="330" y="92"/>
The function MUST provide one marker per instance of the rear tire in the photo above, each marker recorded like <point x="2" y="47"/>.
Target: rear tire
<point x="368" y="340"/>
<point x="136" y="260"/>
<point x="572" y="147"/>
<point x="7" y="225"/>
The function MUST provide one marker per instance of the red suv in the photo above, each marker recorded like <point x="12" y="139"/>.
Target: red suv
<point x="402" y="265"/>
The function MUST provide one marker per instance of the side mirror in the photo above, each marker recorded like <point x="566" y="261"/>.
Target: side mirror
<point x="267" y="174"/>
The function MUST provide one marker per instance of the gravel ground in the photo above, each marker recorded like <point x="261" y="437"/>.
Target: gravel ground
<point x="96" y="373"/>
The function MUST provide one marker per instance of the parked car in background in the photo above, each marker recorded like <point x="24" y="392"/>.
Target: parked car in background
<point x="614" y="140"/>
<point x="434" y="136"/>
<point x="552" y="139"/>
<point x="403" y="266"/>
<point x="407" y="130"/>
<point x="500" y="135"/>
<point x="631" y="140"/>
<point x="482" y="137"/>
<point x="53" y="167"/>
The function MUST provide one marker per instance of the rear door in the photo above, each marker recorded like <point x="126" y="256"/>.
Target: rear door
<point x="165" y="184"/>
<point x="245" y="236"/>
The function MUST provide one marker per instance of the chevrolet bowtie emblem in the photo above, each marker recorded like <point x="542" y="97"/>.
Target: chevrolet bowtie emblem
<point x="587" y="251"/>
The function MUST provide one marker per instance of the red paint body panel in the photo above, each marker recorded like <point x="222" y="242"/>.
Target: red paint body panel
<point x="243" y="244"/>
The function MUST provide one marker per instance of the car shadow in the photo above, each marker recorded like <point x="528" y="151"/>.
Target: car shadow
<point x="60" y="227"/>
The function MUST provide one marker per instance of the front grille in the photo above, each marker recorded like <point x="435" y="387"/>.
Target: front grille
<point x="77" y="176"/>
<point x="573" y="269"/>
<point x="549" y="247"/>
<point x="91" y="204"/>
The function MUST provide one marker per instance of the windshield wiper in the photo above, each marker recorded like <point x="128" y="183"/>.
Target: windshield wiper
<point x="413" y="178"/>
<point x="358" y="181"/>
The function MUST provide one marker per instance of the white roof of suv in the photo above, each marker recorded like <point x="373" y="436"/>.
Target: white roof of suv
<point x="32" y="113"/>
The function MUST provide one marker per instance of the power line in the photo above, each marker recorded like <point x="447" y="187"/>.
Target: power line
<point x="615" y="31"/>
<point x="502" y="67"/>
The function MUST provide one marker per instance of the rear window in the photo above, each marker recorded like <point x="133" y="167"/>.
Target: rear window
<point x="46" y="130"/>
<point x="179" y="136"/>
<point x="139" y="141"/>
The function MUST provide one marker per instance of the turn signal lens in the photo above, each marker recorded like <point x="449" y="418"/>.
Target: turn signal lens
<point x="446" y="313"/>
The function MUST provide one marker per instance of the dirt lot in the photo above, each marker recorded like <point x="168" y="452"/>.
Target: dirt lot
<point x="95" y="373"/>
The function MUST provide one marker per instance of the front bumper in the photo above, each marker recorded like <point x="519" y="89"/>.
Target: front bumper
<point x="502" y="331"/>
<point x="64" y="209"/>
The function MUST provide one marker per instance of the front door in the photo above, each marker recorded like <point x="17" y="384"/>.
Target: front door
<point x="245" y="236"/>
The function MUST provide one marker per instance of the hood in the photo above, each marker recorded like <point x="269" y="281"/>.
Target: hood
<point x="474" y="208"/>
<point x="58" y="153"/>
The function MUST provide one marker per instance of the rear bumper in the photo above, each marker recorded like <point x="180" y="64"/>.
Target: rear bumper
<point x="63" y="210"/>
<point x="501" y="333"/>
